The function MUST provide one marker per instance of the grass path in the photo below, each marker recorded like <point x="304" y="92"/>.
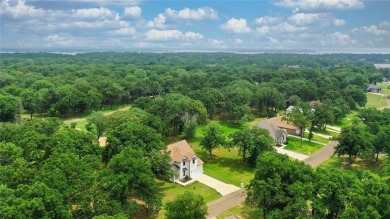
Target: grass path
<point x="82" y="119"/>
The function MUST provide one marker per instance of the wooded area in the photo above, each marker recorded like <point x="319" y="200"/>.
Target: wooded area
<point x="53" y="170"/>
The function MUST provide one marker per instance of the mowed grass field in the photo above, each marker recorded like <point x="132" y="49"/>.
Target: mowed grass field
<point x="308" y="148"/>
<point x="374" y="100"/>
<point x="385" y="87"/>
<point x="225" y="164"/>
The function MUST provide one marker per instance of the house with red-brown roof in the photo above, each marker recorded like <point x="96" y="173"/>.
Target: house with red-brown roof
<point x="285" y="125"/>
<point x="184" y="162"/>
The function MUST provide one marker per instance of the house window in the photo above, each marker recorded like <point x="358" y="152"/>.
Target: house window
<point x="193" y="161"/>
<point x="184" y="163"/>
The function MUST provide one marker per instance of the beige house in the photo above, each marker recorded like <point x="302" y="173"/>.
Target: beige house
<point x="288" y="127"/>
<point x="184" y="161"/>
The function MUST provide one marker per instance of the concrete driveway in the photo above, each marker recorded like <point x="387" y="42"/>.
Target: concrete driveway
<point x="221" y="187"/>
<point x="292" y="154"/>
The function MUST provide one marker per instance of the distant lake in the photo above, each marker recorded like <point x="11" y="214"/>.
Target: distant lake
<point x="382" y="66"/>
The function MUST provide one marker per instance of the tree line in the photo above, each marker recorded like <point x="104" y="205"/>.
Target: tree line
<point x="231" y="86"/>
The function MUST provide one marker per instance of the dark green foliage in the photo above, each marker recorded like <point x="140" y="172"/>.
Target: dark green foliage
<point x="251" y="143"/>
<point x="186" y="205"/>
<point x="213" y="138"/>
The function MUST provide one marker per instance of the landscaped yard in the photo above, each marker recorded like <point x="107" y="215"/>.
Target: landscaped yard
<point x="317" y="138"/>
<point x="385" y="87"/>
<point x="225" y="165"/>
<point x="170" y="190"/>
<point x="307" y="148"/>
<point x="374" y="100"/>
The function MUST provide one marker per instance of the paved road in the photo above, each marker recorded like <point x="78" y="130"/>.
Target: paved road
<point x="221" y="187"/>
<point x="321" y="155"/>
<point x="222" y="204"/>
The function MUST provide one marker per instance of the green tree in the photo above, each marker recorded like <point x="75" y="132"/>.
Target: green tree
<point x="213" y="138"/>
<point x="382" y="141"/>
<point x="10" y="108"/>
<point x="130" y="176"/>
<point x="300" y="117"/>
<point x="186" y="205"/>
<point x="251" y="143"/>
<point x="354" y="140"/>
<point x="189" y="125"/>
<point x="281" y="187"/>
<point x="100" y="123"/>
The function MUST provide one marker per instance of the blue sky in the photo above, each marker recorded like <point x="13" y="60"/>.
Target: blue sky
<point x="324" y="25"/>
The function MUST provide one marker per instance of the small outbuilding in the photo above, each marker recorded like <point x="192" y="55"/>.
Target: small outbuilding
<point x="374" y="89"/>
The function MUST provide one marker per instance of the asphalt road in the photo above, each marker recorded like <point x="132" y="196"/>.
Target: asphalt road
<point x="322" y="155"/>
<point x="228" y="201"/>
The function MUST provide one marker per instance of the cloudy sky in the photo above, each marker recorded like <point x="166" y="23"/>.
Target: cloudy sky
<point x="340" y="25"/>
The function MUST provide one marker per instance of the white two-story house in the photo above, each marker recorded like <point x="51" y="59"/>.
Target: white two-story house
<point x="184" y="161"/>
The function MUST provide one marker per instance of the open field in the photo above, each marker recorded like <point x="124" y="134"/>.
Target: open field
<point x="307" y="148"/>
<point x="374" y="100"/>
<point x="340" y="163"/>
<point x="385" y="87"/>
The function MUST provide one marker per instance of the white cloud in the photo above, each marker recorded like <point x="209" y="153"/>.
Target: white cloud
<point x="263" y="30"/>
<point x="236" y="26"/>
<point x="198" y="14"/>
<point x="338" y="22"/>
<point x="373" y="29"/>
<point x="193" y="35"/>
<point x="216" y="43"/>
<point x="101" y="13"/>
<point x="310" y="5"/>
<point x="338" y="38"/>
<point x="238" y="41"/>
<point x="302" y="19"/>
<point x="157" y="22"/>
<point x="267" y="20"/>
<point x="127" y="31"/>
<point x="288" y="28"/>
<point x="169" y="35"/>
<point x="132" y="12"/>
<point x="19" y="9"/>
<point x="273" y="40"/>
<point x="384" y="24"/>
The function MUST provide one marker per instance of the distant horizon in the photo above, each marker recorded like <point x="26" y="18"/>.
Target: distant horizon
<point x="323" y="26"/>
<point x="73" y="51"/>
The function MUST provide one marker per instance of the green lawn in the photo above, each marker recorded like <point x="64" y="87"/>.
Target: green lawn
<point x="307" y="147"/>
<point x="385" y="87"/>
<point x="242" y="211"/>
<point x="327" y="132"/>
<point x="376" y="101"/>
<point x="170" y="190"/>
<point x="347" y="120"/>
<point x="225" y="165"/>
<point x="317" y="138"/>
<point x="340" y="163"/>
